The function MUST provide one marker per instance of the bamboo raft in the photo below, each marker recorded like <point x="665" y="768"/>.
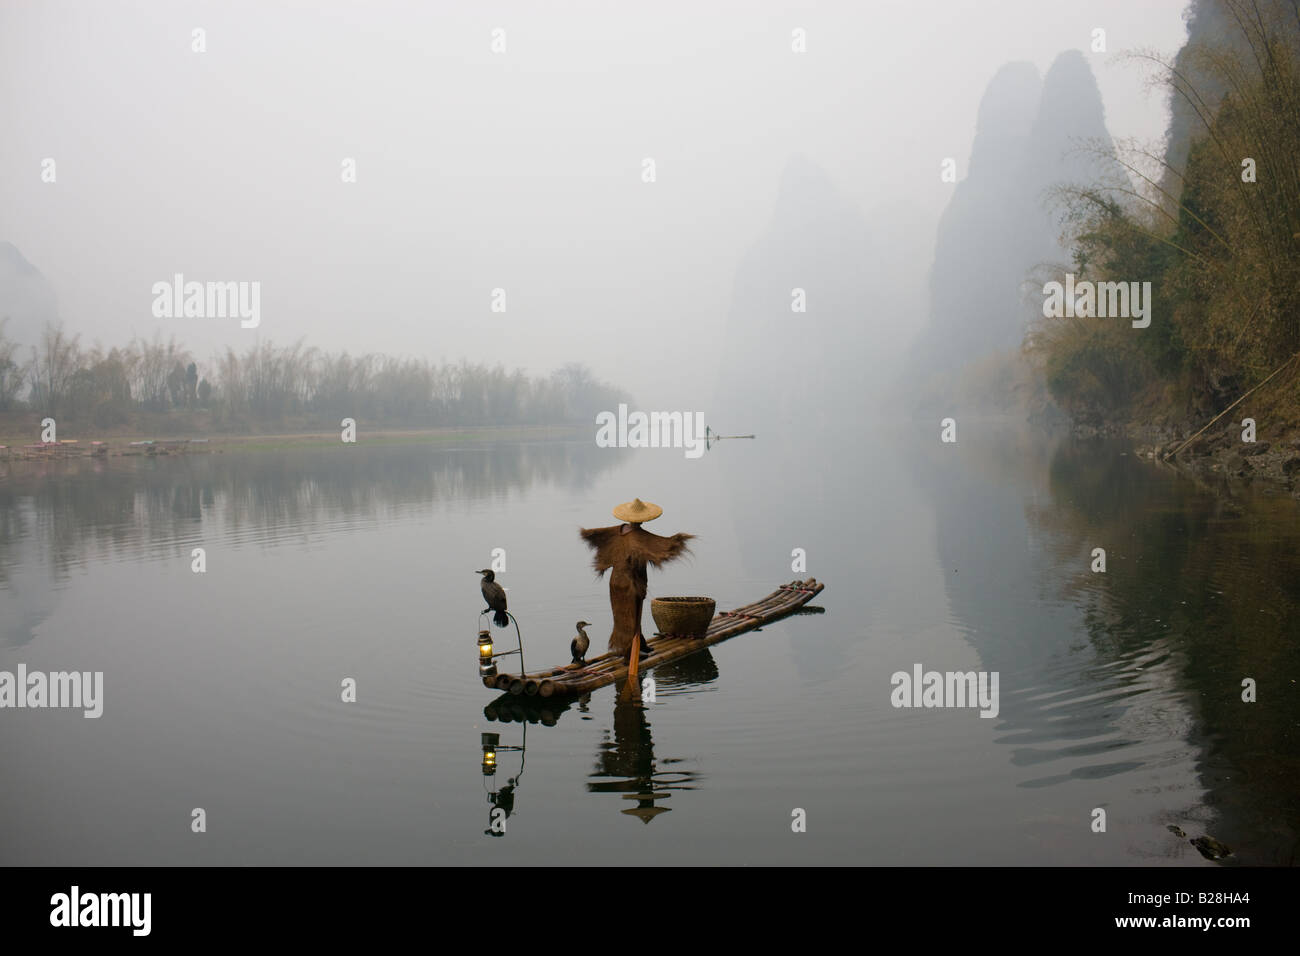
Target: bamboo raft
<point x="572" y="679"/>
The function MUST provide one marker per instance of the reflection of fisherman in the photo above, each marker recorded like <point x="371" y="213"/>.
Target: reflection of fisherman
<point x="626" y="765"/>
<point x="631" y="756"/>
<point x="625" y="551"/>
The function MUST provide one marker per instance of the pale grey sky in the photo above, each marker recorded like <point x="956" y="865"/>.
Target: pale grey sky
<point x="477" y="170"/>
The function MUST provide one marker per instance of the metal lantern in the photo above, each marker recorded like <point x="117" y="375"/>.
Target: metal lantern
<point x="490" y="743"/>
<point x="488" y="654"/>
<point x="487" y="665"/>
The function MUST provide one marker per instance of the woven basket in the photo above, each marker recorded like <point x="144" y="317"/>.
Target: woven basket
<point x="683" y="616"/>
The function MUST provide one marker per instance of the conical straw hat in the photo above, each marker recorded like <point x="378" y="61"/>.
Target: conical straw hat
<point x="636" y="511"/>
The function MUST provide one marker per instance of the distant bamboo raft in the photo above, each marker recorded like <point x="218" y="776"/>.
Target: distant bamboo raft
<point x="572" y="680"/>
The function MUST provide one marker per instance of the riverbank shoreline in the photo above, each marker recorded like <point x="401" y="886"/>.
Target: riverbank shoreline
<point x="1222" y="456"/>
<point x="17" y="450"/>
<point x="1255" y="440"/>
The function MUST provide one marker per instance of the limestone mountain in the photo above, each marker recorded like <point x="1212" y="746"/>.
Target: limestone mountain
<point x="1001" y="225"/>
<point x="26" y="298"/>
<point x="857" y="278"/>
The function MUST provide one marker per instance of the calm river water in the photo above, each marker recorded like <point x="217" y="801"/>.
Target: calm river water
<point x="1119" y="690"/>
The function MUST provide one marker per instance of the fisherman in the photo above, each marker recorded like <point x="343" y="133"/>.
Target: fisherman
<point x="626" y="551"/>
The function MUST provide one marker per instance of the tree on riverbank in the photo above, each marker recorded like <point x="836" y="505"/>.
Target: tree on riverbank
<point x="268" y="386"/>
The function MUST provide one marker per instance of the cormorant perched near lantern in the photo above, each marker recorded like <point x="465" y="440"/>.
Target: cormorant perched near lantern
<point x="578" y="646"/>
<point x="625" y="551"/>
<point x="495" y="595"/>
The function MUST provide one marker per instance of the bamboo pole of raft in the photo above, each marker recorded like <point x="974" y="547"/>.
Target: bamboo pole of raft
<point x="571" y="681"/>
<point x="636" y="657"/>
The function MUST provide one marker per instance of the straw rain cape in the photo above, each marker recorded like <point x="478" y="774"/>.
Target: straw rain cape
<point x="626" y="556"/>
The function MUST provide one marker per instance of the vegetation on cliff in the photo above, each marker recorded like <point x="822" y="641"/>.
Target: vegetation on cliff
<point x="1218" y="238"/>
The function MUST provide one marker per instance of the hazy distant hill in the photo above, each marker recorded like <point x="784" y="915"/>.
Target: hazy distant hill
<point x="26" y="298"/>
<point x="1000" y="225"/>
<point x="990" y="232"/>
<point x="862" y="277"/>
<point x="1068" y="129"/>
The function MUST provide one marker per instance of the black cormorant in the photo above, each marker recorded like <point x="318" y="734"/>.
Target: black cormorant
<point x="495" y="595"/>
<point x="578" y="646"/>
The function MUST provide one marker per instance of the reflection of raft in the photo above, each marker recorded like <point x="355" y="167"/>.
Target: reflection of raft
<point x="571" y="680"/>
<point x="527" y="710"/>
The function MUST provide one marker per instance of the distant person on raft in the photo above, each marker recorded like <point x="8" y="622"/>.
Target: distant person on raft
<point x="626" y="551"/>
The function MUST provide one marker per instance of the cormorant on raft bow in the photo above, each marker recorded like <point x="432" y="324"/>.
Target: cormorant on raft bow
<point x="625" y="551"/>
<point x="578" y="646"/>
<point x="495" y="595"/>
